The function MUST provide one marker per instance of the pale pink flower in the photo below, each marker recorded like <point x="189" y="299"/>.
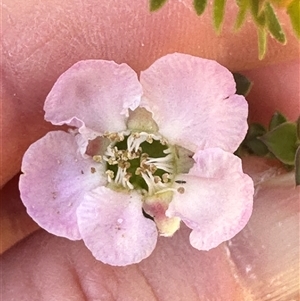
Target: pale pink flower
<point x="143" y="155"/>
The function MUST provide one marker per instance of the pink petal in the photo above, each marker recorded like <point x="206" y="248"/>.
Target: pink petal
<point x="94" y="95"/>
<point x="113" y="227"/>
<point x="217" y="199"/>
<point x="54" y="181"/>
<point x="193" y="102"/>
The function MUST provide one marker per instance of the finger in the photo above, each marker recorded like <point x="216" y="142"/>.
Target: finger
<point x="266" y="253"/>
<point x="36" y="53"/>
<point x="256" y="263"/>
<point x="67" y="269"/>
<point x="15" y="222"/>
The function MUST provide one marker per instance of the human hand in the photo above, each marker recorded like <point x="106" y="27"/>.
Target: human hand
<point x="62" y="270"/>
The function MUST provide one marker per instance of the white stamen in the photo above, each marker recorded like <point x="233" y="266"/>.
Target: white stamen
<point x="153" y="185"/>
<point x="167" y="151"/>
<point x="164" y="163"/>
<point x="121" y="159"/>
<point x="134" y="141"/>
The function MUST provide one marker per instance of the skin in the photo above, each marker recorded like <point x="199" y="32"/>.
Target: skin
<point x="40" y="40"/>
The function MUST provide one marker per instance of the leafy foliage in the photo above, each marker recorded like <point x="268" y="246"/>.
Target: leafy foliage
<point x="281" y="141"/>
<point x="267" y="22"/>
<point x="243" y="84"/>
<point x="297" y="167"/>
<point x="293" y="10"/>
<point x="273" y="24"/>
<point x="297" y="157"/>
<point x="252" y="142"/>
<point x="276" y="120"/>
<point x="218" y="13"/>
<point x="156" y="4"/>
<point x="243" y="9"/>
<point x="261" y="11"/>
<point x="199" y="6"/>
<point x="262" y="43"/>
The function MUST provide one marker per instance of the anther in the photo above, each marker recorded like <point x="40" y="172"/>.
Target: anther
<point x="110" y="175"/>
<point x="128" y="176"/>
<point x="97" y="158"/>
<point x="181" y="190"/>
<point x="165" y="177"/>
<point x="163" y="141"/>
<point x="121" y="164"/>
<point x="138" y="171"/>
<point x="136" y="135"/>
<point x="112" y="161"/>
<point x="149" y="139"/>
<point x="156" y="179"/>
<point x="144" y="156"/>
<point x="152" y="168"/>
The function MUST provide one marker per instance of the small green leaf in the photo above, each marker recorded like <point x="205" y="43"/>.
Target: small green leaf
<point x="243" y="8"/>
<point x="273" y="24"/>
<point x="297" y="166"/>
<point x="276" y="120"/>
<point x="257" y="147"/>
<point x="252" y="143"/>
<point x="218" y="13"/>
<point x="293" y="11"/>
<point x="262" y="43"/>
<point x="200" y="6"/>
<point x="156" y="4"/>
<point x="298" y="127"/>
<point x="281" y="141"/>
<point x="255" y="130"/>
<point x="257" y="13"/>
<point x="243" y="84"/>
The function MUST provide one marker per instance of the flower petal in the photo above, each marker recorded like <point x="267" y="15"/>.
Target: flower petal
<point x="113" y="227"/>
<point x="193" y="102"/>
<point x="54" y="181"/>
<point x="94" y="95"/>
<point x="216" y="199"/>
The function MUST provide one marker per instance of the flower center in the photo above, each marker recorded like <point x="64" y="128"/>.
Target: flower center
<point x="139" y="160"/>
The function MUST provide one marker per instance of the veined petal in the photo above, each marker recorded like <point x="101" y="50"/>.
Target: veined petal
<point x="215" y="200"/>
<point x="54" y="181"/>
<point x="193" y="102"/>
<point x="94" y="95"/>
<point x="113" y="227"/>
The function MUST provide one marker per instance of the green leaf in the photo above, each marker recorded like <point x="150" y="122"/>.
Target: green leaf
<point x="273" y="24"/>
<point x="262" y="43"/>
<point x="257" y="147"/>
<point x="257" y="13"/>
<point x="243" y="8"/>
<point x="156" y="4"/>
<point x="281" y="141"/>
<point x="200" y="6"/>
<point x="218" y="13"/>
<point x="276" y="120"/>
<point x="243" y="84"/>
<point x="255" y="130"/>
<point x="252" y="142"/>
<point x="293" y="11"/>
<point x="298" y="127"/>
<point x="297" y="166"/>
